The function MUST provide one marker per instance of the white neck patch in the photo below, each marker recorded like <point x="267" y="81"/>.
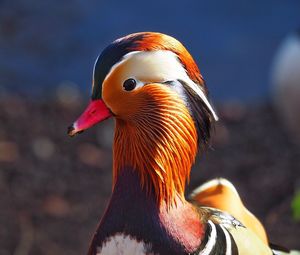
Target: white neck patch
<point x="158" y="66"/>
<point x="121" y="244"/>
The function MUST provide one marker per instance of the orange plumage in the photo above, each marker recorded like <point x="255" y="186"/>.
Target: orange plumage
<point x="161" y="149"/>
<point x="157" y="41"/>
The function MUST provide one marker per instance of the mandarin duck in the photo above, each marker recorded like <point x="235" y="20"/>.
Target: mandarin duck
<point x="153" y="88"/>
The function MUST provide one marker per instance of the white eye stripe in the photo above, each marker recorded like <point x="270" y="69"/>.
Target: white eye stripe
<point x="125" y="58"/>
<point x="160" y="65"/>
<point x="200" y="93"/>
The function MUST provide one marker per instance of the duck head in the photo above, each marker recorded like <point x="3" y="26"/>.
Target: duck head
<point x="153" y="88"/>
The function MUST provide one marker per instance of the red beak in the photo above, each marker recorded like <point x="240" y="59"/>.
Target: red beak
<point x="95" y="112"/>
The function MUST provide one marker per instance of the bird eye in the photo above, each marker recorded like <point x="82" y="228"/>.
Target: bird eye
<point x="129" y="84"/>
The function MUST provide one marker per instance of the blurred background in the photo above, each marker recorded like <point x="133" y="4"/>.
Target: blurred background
<point x="53" y="189"/>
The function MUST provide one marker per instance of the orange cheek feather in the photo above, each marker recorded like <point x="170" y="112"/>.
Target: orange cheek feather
<point x="122" y="103"/>
<point x="154" y="134"/>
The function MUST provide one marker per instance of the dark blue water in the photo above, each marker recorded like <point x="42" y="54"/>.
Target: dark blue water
<point x="43" y="43"/>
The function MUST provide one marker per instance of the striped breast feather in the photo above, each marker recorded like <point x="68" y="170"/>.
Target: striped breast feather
<point x="244" y="239"/>
<point x="218" y="239"/>
<point x="238" y="239"/>
<point x="225" y="235"/>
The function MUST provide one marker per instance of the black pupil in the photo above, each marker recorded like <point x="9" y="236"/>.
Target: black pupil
<point x="129" y="84"/>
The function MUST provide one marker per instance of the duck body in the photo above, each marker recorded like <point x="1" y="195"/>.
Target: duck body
<point x="153" y="88"/>
<point x="134" y="224"/>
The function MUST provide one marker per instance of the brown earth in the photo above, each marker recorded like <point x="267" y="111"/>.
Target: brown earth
<point x="53" y="189"/>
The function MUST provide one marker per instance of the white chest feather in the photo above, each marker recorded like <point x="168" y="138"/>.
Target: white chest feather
<point x="121" y="244"/>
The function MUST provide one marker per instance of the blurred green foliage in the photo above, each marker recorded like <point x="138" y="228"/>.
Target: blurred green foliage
<point x="296" y="206"/>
